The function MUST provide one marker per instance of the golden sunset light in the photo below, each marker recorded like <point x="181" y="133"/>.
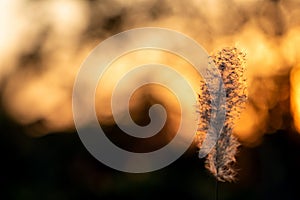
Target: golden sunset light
<point x="254" y="44"/>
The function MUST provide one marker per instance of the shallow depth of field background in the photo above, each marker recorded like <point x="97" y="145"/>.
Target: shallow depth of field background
<point x="43" y="44"/>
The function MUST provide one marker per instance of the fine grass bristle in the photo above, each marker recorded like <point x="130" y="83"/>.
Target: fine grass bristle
<point x="221" y="159"/>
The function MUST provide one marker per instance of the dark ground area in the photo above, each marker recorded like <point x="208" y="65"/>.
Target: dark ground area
<point x="59" y="167"/>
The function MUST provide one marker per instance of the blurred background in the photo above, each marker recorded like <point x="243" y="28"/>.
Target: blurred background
<point x="43" y="44"/>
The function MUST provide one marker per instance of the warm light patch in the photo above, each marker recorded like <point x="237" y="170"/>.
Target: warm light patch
<point x="295" y="96"/>
<point x="249" y="128"/>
